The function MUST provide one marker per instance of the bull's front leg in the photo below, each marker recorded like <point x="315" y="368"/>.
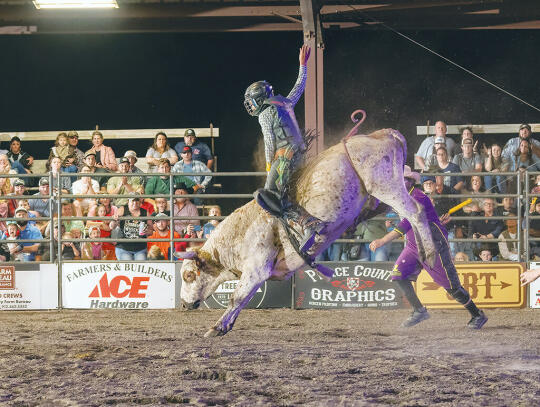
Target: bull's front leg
<point x="246" y="289"/>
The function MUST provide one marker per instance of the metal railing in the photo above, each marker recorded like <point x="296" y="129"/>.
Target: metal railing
<point x="56" y="195"/>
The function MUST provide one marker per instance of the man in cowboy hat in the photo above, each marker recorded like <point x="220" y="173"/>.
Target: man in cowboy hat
<point x="408" y="264"/>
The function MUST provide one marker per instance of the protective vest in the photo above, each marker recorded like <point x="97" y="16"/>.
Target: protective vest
<point x="284" y="124"/>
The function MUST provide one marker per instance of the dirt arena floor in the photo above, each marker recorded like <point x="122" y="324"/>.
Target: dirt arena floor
<point x="271" y="358"/>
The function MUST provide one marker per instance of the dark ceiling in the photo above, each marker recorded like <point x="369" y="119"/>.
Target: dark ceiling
<point x="136" y="16"/>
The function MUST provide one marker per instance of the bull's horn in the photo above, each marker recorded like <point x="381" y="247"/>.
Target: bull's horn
<point x="185" y="255"/>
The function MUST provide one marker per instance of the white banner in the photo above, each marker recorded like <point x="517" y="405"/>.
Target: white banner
<point x="534" y="288"/>
<point x="118" y="285"/>
<point x="33" y="288"/>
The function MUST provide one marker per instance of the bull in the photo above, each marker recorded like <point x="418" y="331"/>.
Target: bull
<point x="342" y="184"/>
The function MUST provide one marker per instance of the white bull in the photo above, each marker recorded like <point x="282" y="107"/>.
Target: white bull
<point x="252" y="246"/>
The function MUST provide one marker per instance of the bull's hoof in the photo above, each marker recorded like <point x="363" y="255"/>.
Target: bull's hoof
<point x="213" y="332"/>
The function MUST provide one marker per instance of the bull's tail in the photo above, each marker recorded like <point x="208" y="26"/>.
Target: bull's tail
<point x="357" y="121"/>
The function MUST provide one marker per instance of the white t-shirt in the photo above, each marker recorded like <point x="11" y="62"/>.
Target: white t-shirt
<point x="157" y="155"/>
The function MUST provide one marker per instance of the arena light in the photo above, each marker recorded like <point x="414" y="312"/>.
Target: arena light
<point x="55" y="4"/>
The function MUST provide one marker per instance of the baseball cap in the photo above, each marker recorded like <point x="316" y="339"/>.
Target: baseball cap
<point x="89" y="153"/>
<point x="525" y="126"/>
<point x="124" y="160"/>
<point x="467" y="141"/>
<point x="73" y="134"/>
<point x="426" y="178"/>
<point x="17" y="182"/>
<point x="187" y="149"/>
<point x="21" y="209"/>
<point x="43" y="181"/>
<point x="12" y="222"/>
<point x="161" y="215"/>
<point x="189" y="132"/>
<point x="440" y="140"/>
<point x="130" y="153"/>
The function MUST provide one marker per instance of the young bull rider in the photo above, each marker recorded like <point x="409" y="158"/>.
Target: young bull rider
<point x="408" y="265"/>
<point x="284" y="149"/>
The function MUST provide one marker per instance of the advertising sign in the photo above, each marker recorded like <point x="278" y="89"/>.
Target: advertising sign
<point x="354" y="285"/>
<point x="272" y="294"/>
<point x="534" y="289"/>
<point x="491" y="285"/>
<point x="28" y="286"/>
<point x="118" y="285"/>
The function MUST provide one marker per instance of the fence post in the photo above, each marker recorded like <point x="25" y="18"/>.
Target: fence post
<point x="527" y="208"/>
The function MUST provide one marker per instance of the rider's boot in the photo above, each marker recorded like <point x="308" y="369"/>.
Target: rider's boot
<point x="307" y="226"/>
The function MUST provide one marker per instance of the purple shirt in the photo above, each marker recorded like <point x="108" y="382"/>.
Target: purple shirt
<point x="404" y="227"/>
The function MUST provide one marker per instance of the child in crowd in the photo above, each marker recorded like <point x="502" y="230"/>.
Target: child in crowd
<point x="15" y="249"/>
<point x="211" y="225"/>
<point x="65" y="151"/>
<point x="461" y="257"/>
<point x="70" y="250"/>
<point x="93" y="250"/>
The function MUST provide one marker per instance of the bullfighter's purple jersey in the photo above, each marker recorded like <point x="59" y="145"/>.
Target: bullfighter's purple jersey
<point x="408" y="264"/>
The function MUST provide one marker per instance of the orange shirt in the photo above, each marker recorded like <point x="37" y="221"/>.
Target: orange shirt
<point x="164" y="245"/>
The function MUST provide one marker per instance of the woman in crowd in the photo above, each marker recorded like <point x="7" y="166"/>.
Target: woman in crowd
<point x="160" y="149"/>
<point x="105" y="157"/>
<point x="15" y="154"/>
<point x="131" y="229"/>
<point x="5" y="168"/>
<point x="474" y="188"/>
<point x="495" y="163"/>
<point x="455" y="183"/>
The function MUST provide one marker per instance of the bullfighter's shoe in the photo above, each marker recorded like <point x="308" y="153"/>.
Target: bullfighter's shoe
<point x="478" y="321"/>
<point x="416" y="317"/>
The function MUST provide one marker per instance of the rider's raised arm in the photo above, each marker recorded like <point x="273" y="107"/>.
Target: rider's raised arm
<point x="298" y="88"/>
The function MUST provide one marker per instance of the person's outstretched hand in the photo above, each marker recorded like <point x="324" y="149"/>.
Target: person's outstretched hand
<point x="529" y="276"/>
<point x="303" y="56"/>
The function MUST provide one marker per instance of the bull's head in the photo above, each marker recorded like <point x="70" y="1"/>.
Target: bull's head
<point x="201" y="275"/>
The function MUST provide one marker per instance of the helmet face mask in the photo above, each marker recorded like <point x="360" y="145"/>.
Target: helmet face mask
<point x="255" y="96"/>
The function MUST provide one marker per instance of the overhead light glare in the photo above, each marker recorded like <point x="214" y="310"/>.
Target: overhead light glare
<point x="44" y="4"/>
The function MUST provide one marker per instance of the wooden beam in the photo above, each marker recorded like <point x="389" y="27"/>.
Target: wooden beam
<point x="110" y="134"/>
<point x="455" y="129"/>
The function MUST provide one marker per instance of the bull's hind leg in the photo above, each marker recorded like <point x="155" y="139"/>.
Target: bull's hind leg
<point x="248" y="285"/>
<point x="391" y="190"/>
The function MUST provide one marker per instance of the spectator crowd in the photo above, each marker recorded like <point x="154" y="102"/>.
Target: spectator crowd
<point x="108" y="186"/>
<point x="108" y="210"/>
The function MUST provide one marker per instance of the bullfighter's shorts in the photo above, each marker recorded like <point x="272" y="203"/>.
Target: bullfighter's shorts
<point x="443" y="272"/>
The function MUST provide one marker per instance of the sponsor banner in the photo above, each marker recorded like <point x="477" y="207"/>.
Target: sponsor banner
<point x="272" y="294"/>
<point x="534" y="289"/>
<point x="354" y="285"/>
<point x="491" y="285"/>
<point x="118" y="285"/>
<point x="28" y="287"/>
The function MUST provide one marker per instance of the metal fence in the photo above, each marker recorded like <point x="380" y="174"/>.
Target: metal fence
<point x="521" y="195"/>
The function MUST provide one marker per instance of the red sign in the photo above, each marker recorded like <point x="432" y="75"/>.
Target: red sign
<point x="120" y="287"/>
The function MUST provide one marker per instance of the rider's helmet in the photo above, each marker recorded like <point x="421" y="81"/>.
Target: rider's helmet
<point x="255" y="95"/>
